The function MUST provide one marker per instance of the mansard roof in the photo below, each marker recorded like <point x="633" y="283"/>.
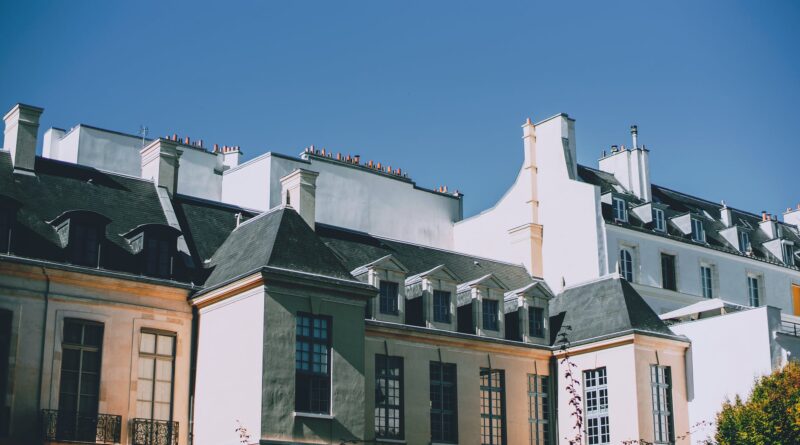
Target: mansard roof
<point x="359" y="248"/>
<point x="676" y="204"/>
<point x="278" y="239"/>
<point x="602" y="309"/>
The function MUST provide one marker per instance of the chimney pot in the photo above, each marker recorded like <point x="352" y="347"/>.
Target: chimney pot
<point x="186" y="140"/>
<point x="764" y="215"/>
<point x="357" y="159"/>
<point x="174" y="136"/>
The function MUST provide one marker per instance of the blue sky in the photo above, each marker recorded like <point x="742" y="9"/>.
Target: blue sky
<point x="439" y="89"/>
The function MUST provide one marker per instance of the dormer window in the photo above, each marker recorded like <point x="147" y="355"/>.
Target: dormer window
<point x="154" y="246"/>
<point x="80" y="233"/>
<point x="659" y="223"/>
<point x="744" y="241"/>
<point x="388" y="297"/>
<point x="788" y="254"/>
<point x="620" y="210"/>
<point x="698" y="232"/>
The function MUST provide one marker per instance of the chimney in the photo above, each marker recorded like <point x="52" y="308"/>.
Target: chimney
<point x="231" y="156"/>
<point x="22" y="127"/>
<point x="298" y="190"/>
<point x="725" y="215"/>
<point x="160" y="162"/>
<point x="635" y="136"/>
<point x="792" y="216"/>
<point x="630" y="167"/>
<point x="768" y="225"/>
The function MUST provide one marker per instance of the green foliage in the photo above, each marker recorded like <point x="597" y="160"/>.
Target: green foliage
<point x="770" y="416"/>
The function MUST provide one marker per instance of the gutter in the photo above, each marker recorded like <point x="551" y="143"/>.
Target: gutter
<point x="44" y="337"/>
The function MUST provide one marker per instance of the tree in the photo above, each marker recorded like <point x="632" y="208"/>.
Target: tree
<point x="771" y="415"/>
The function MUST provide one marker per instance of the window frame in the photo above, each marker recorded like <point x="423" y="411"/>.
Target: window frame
<point x="659" y="221"/>
<point x="496" y="379"/>
<point x="438" y="307"/>
<point x="494" y="326"/>
<point x="443" y="388"/>
<point x="537" y="321"/>
<point x="309" y="376"/>
<point x="744" y="241"/>
<point x="620" y="209"/>
<point x="698" y="230"/>
<point x="594" y="390"/>
<point x="707" y="280"/>
<point x="669" y="277"/>
<point x="156" y="356"/>
<point x="153" y="260"/>
<point x="661" y="395"/>
<point x="787" y="249"/>
<point x="754" y="290"/>
<point x="387" y="303"/>
<point x="539" y="409"/>
<point x="74" y="424"/>
<point x="385" y="360"/>
<point x="626" y="266"/>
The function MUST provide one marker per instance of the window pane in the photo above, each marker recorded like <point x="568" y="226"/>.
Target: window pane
<point x="147" y="343"/>
<point x="165" y="343"/>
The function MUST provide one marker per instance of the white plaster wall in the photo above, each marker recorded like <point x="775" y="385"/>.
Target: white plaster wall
<point x="248" y="184"/>
<point x="109" y="151"/>
<point x="50" y="142"/>
<point x="229" y="369"/>
<point x="60" y="146"/>
<point x="727" y="353"/>
<point x="200" y="173"/>
<point x="730" y="281"/>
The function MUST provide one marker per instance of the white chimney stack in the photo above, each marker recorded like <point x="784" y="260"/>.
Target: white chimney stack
<point x="635" y="136"/>
<point x="160" y="163"/>
<point x="22" y="127"/>
<point x="630" y="167"/>
<point x="299" y="190"/>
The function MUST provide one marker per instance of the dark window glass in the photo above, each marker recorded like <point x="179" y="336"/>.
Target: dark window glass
<point x="388" y="397"/>
<point x="83" y="244"/>
<point x="312" y="364"/>
<point x="539" y="409"/>
<point x="5" y="230"/>
<point x="493" y="407"/>
<point x="536" y="321"/>
<point x="388" y="297"/>
<point x="80" y="380"/>
<point x="754" y="290"/>
<point x="668" y="280"/>
<point x="490" y="322"/>
<point x="444" y="415"/>
<point x="441" y="306"/>
<point x="661" y="386"/>
<point x="158" y="257"/>
<point x="626" y="265"/>
<point x="5" y="351"/>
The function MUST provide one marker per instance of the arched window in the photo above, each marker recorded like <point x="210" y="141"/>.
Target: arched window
<point x="626" y="265"/>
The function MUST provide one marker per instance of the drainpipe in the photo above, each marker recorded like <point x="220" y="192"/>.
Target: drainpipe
<point x="44" y="337"/>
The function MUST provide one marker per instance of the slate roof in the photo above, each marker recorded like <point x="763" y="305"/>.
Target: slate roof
<point x="358" y="248"/>
<point x="206" y="224"/>
<point x="59" y="187"/>
<point x="602" y="309"/>
<point x="678" y="203"/>
<point x="279" y="239"/>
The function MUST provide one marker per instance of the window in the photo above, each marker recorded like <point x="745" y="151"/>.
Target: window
<point x="388" y="297"/>
<point x="489" y="310"/>
<point x="788" y="254"/>
<point x="698" y="233"/>
<point x="493" y="406"/>
<point x="744" y="241"/>
<point x="668" y="278"/>
<point x="620" y="210"/>
<point x="156" y="372"/>
<point x="539" y="409"/>
<point x="659" y="223"/>
<point x="312" y="364"/>
<point x="158" y="256"/>
<point x="444" y="416"/>
<point x="626" y="265"/>
<point x="5" y="357"/>
<point x="753" y="290"/>
<point x="536" y="321"/>
<point x="661" y="387"/>
<point x="5" y="230"/>
<point x="706" y="275"/>
<point x="83" y="245"/>
<point x="596" y="406"/>
<point x="79" y="388"/>
<point x="388" y="397"/>
<point x="441" y="306"/>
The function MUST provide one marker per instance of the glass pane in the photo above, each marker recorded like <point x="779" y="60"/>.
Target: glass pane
<point x="93" y="335"/>
<point x="72" y="332"/>
<point x="164" y="370"/>
<point x="70" y="359"/>
<point x="161" y="411"/>
<point x="163" y="392"/>
<point x="144" y="390"/>
<point x="165" y="343"/>
<point x="146" y="368"/>
<point x="147" y="343"/>
<point x="143" y="410"/>
<point x="91" y="361"/>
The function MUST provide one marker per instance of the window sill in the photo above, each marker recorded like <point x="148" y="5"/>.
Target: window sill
<point x="314" y="415"/>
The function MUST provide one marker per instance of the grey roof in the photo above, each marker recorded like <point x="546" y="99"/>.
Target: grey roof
<point x="278" y="239"/>
<point x="602" y="308"/>
<point x="358" y="248"/>
<point x="677" y="203"/>
<point x="206" y="224"/>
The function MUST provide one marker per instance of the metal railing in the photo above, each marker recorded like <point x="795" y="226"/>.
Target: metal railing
<point x="154" y="432"/>
<point x="78" y="427"/>
<point x="791" y="328"/>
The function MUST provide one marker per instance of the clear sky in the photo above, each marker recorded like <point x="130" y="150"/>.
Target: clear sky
<point x="437" y="88"/>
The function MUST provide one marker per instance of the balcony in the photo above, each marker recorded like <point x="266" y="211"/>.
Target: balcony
<point x="154" y="432"/>
<point x="62" y="426"/>
<point x="790" y="328"/>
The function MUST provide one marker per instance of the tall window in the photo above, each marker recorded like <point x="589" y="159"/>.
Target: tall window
<point x="706" y="276"/>
<point x="441" y="306"/>
<point x="5" y="356"/>
<point x="659" y="223"/>
<point x="539" y="409"/>
<point x="620" y="210"/>
<point x="595" y="398"/>
<point x="80" y="380"/>
<point x="668" y="278"/>
<point x="83" y="246"/>
<point x="156" y="373"/>
<point x="493" y="406"/>
<point x="744" y="241"/>
<point x="388" y="297"/>
<point x="444" y="415"/>
<point x="661" y="388"/>
<point x="313" y="364"/>
<point x="753" y="290"/>
<point x="388" y="397"/>
<point x="5" y="230"/>
<point x="536" y="322"/>
<point x="788" y="254"/>
<point x="158" y="256"/>
<point x="698" y="232"/>
<point x="489" y="310"/>
<point x="626" y="264"/>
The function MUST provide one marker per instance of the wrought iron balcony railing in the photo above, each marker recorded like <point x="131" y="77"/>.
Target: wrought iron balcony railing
<point x="791" y="328"/>
<point x="154" y="432"/>
<point x="78" y="427"/>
